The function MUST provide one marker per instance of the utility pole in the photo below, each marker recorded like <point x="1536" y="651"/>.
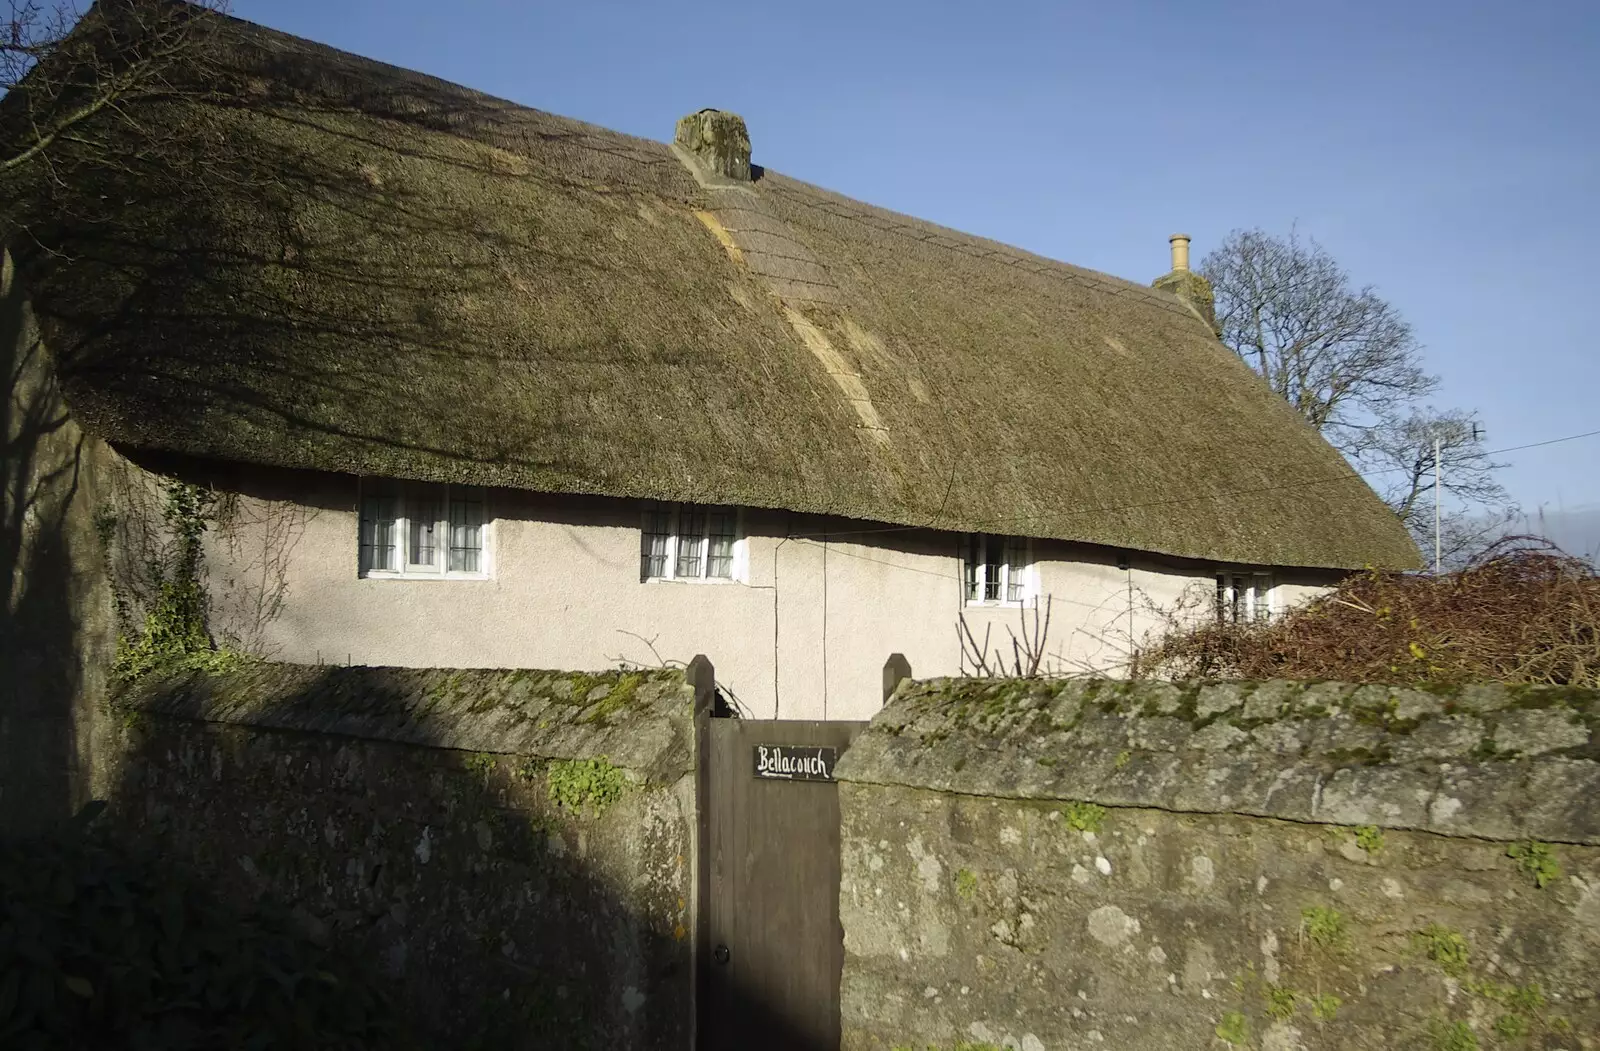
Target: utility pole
<point x="1438" y="475"/>
<point x="1439" y="469"/>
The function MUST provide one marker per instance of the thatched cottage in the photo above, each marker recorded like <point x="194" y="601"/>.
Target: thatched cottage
<point x="483" y="386"/>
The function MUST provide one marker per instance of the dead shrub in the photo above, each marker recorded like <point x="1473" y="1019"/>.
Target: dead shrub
<point x="1521" y="612"/>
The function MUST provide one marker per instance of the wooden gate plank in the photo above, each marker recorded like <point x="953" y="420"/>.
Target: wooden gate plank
<point x="773" y="885"/>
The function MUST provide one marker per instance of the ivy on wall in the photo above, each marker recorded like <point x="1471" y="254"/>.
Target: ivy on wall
<point x="173" y="630"/>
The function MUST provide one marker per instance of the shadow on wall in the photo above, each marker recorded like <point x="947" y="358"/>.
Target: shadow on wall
<point x="48" y="567"/>
<point x="506" y="901"/>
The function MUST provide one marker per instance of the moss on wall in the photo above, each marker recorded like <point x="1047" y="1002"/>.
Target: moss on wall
<point x="1253" y="865"/>
<point x="1009" y="926"/>
<point x="1334" y="753"/>
<point x="639" y="719"/>
<point x="527" y="891"/>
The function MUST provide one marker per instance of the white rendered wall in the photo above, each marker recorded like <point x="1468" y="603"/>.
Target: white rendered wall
<point x="804" y="636"/>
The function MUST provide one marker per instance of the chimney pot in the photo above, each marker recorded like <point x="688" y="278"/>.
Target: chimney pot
<point x="1180" y="251"/>
<point x="718" y="141"/>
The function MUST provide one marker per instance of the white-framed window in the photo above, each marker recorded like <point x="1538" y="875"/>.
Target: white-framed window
<point x="998" y="570"/>
<point x="421" y="531"/>
<point x="690" y="542"/>
<point x="1244" y="596"/>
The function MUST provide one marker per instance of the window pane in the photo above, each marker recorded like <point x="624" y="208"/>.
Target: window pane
<point x="722" y="529"/>
<point x="466" y="532"/>
<point x="691" y="541"/>
<point x="993" y="559"/>
<point x="1016" y="572"/>
<point x="377" y="539"/>
<point x="423" y="512"/>
<point x="1242" y="597"/>
<point x="1261" y="597"/>
<point x="653" y="553"/>
<point x="1230" y="599"/>
<point x="974" y="569"/>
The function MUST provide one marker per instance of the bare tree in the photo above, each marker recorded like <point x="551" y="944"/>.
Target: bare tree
<point x="1337" y="353"/>
<point x="1403" y="448"/>
<point x="1398" y="452"/>
<point x="63" y="66"/>
<point x="1027" y="649"/>
<point x="1350" y="364"/>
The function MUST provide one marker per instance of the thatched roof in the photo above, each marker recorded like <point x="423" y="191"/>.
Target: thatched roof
<point x="340" y="265"/>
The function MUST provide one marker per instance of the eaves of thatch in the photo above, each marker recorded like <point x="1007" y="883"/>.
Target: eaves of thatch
<point x="331" y="263"/>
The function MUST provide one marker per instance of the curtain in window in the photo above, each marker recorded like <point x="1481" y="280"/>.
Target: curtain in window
<point x="466" y="533"/>
<point x="657" y="535"/>
<point x="377" y="533"/>
<point x="424" y="519"/>
<point x="691" y="542"/>
<point x="986" y="557"/>
<point x="722" y="530"/>
<point x="1261" y="597"/>
<point x="993" y="560"/>
<point x="1233" y="592"/>
<point x="1016" y="571"/>
<point x="1243" y="598"/>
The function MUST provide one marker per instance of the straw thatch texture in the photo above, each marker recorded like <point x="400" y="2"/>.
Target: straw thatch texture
<point x="340" y="265"/>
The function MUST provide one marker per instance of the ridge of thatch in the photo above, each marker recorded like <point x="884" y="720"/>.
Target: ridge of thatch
<point x="340" y="265"/>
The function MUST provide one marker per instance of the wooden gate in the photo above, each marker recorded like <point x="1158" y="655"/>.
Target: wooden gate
<point x="769" y="943"/>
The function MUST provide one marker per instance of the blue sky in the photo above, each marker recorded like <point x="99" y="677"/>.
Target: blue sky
<point x="1445" y="153"/>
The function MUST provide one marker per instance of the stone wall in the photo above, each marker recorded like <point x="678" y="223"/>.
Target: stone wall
<point x="1088" y="865"/>
<point x="512" y="849"/>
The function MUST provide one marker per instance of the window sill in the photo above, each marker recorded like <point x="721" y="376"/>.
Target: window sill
<point x="692" y="581"/>
<point x="439" y="577"/>
<point x="1026" y="603"/>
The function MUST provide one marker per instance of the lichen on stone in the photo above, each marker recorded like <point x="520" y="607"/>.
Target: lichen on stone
<point x="1338" y="753"/>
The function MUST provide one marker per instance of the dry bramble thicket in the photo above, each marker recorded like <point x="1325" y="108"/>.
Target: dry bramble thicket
<point x="1521" y="612"/>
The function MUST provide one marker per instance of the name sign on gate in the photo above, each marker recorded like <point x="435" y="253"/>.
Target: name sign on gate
<point x="795" y="762"/>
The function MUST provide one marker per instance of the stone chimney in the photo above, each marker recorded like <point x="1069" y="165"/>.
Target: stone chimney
<point x="717" y="142"/>
<point x="1188" y="286"/>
